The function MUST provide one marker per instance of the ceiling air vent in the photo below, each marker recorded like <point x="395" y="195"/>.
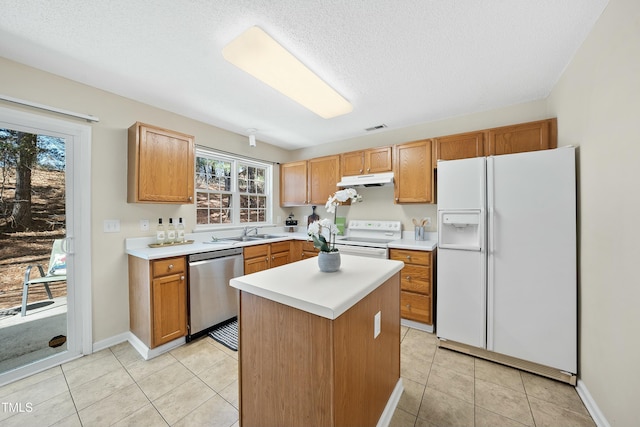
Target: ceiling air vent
<point x="375" y="127"/>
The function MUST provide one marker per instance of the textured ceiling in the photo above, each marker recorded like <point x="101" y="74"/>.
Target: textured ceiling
<point x="399" y="62"/>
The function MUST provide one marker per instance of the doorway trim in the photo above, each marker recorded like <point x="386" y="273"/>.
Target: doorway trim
<point x="78" y="211"/>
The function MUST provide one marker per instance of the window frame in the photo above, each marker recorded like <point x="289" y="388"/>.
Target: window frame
<point x="235" y="160"/>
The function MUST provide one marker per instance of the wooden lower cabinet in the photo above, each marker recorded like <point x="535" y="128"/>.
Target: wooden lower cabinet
<point x="416" y="284"/>
<point x="268" y="255"/>
<point x="301" y="369"/>
<point x="302" y="249"/>
<point x="158" y="299"/>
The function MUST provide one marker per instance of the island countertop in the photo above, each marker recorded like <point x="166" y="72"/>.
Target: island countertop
<point x="303" y="286"/>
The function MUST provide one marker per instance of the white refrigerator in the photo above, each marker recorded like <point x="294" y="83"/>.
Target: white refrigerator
<point x="506" y="265"/>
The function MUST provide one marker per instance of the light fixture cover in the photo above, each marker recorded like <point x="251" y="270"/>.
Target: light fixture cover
<point x="255" y="52"/>
<point x="252" y="140"/>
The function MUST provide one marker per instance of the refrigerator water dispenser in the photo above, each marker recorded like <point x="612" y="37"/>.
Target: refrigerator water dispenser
<point x="460" y="229"/>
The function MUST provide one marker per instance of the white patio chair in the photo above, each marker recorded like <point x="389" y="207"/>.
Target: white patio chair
<point x="57" y="272"/>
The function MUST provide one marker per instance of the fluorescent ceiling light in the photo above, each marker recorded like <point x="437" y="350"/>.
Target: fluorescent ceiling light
<point x="255" y="52"/>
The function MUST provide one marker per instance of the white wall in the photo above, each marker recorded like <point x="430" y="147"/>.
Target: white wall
<point x="109" y="174"/>
<point x="597" y="102"/>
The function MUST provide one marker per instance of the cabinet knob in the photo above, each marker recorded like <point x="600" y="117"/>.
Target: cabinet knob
<point x="368" y="169"/>
<point x="181" y="277"/>
<point x="408" y="256"/>
<point x="397" y="199"/>
<point x="360" y="170"/>
<point x="273" y="257"/>
<point x="170" y="266"/>
<point x="191" y="198"/>
<point x="409" y="306"/>
<point x="408" y="277"/>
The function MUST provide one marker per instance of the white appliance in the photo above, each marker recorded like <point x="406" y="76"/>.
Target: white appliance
<point x="369" y="238"/>
<point x="507" y="273"/>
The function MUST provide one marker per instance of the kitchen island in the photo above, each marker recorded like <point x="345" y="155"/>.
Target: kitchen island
<point x="320" y="349"/>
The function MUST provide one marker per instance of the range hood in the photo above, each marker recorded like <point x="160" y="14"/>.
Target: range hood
<point x="370" y="180"/>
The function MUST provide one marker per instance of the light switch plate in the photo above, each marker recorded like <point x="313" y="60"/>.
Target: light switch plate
<point x="111" y="225"/>
<point x="144" y="224"/>
<point x="376" y="325"/>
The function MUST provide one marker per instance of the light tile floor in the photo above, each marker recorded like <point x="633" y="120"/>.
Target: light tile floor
<point x="196" y="385"/>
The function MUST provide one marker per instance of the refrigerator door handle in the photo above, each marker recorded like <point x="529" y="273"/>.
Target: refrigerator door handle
<point x="491" y="242"/>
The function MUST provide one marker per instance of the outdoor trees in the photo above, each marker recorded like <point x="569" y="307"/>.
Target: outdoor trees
<point x="20" y="153"/>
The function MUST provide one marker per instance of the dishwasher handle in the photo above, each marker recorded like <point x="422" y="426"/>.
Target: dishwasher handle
<point x="215" y="254"/>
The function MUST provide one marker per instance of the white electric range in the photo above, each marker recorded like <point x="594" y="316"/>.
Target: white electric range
<point x="369" y="238"/>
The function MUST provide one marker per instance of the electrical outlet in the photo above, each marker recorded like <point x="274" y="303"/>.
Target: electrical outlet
<point x="111" y="225"/>
<point x="376" y="325"/>
<point x="144" y="224"/>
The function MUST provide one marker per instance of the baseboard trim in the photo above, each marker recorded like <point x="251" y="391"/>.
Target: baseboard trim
<point x="392" y="403"/>
<point x="592" y="406"/>
<point x="111" y="341"/>
<point x="416" y="325"/>
<point x="150" y="353"/>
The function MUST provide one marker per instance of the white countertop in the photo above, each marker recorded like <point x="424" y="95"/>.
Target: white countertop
<point x="303" y="286"/>
<point x="416" y="245"/>
<point x="139" y="246"/>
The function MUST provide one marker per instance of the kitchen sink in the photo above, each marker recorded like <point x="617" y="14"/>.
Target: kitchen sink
<point x="242" y="238"/>
<point x="265" y="236"/>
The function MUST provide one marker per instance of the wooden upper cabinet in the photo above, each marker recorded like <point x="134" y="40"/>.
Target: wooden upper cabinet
<point x="413" y="172"/>
<point x="293" y="183"/>
<point x="532" y="136"/>
<point x="161" y="165"/>
<point x="460" y="146"/>
<point x="374" y="160"/>
<point x="309" y="182"/>
<point x="323" y="177"/>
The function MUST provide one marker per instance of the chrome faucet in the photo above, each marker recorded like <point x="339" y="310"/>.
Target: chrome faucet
<point x="248" y="230"/>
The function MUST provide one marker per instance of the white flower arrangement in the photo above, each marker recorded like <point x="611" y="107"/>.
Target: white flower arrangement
<point x="326" y="240"/>
<point x="342" y="196"/>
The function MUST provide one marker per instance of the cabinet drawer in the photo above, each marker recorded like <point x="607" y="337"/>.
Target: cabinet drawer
<point x="411" y="257"/>
<point x="416" y="278"/>
<point x="415" y="307"/>
<point x="166" y="266"/>
<point x="256" y="251"/>
<point x="279" y="247"/>
<point x="307" y="246"/>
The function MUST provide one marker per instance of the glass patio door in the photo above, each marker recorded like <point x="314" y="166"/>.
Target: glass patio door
<point x="40" y="310"/>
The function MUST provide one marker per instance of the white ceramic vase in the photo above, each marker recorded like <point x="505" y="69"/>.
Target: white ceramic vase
<point x="329" y="261"/>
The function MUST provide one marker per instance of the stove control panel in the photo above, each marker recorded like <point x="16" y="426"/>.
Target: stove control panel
<point x="371" y="225"/>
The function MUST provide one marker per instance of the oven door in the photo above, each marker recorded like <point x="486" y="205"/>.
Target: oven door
<point x="365" y="251"/>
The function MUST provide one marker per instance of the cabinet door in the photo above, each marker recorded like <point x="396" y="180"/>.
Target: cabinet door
<point x="279" y="258"/>
<point x="293" y="184"/>
<point x="254" y="265"/>
<point x="413" y="180"/>
<point x="461" y="146"/>
<point x="352" y="163"/>
<point x="378" y="160"/>
<point x="324" y="174"/>
<point x="169" y="308"/>
<point x="161" y="165"/>
<point x="256" y="258"/>
<point x="533" y="136"/>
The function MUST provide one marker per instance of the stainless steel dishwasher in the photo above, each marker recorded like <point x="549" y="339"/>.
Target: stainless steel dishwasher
<point x="211" y="300"/>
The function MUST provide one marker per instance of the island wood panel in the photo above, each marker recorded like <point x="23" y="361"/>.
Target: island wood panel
<point x="297" y="368"/>
<point x="366" y="368"/>
<point x="285" y="365"/>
